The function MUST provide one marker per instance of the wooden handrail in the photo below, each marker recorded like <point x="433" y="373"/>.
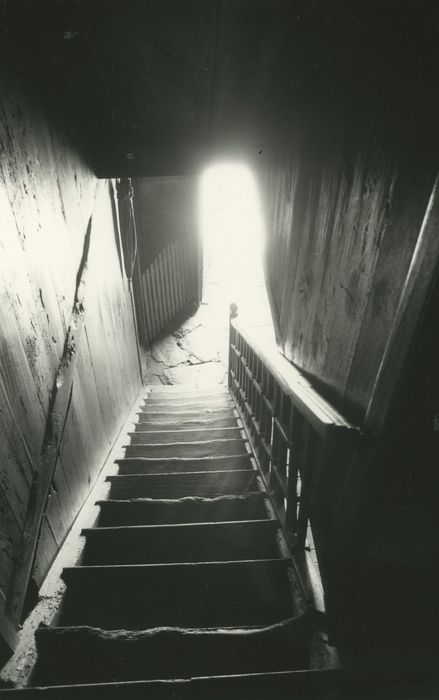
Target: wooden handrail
<point x="317" y="410"/>
<point x="304" y="446"/>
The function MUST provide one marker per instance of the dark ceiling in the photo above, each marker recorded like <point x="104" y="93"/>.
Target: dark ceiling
<point x="154" y="87"/>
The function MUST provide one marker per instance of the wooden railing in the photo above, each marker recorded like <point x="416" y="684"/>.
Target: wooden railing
<point x="303" y="445"/>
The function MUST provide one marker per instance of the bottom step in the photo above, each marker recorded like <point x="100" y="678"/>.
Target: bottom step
<point x="162" y="653"/>
<point x="225" y="594"/>
<point x="303" y="685"/>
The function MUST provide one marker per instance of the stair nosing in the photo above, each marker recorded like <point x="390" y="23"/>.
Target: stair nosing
<point x="197" y="443"/>
<point x="210" y="458"/>
<point x="112" y="477"/>
<point x="178" y="413"/>
<point x="180" y="459"/>
<point x="261" y="495"/>
<point x="284" y="561"/>
<point x="211" y="523"/>
<point x="188" y="401"/>
<point x="186" y="430"/>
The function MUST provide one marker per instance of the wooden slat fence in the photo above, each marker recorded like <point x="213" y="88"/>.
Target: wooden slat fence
<point x="169" y="286"/>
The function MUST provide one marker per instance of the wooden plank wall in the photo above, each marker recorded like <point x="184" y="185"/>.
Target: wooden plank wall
<point x="169" y="287"/>
<point x="168" y="279"/>
<point x="340" y="248"/>
<point x="47" y="196"/>
<point x="345" y="206"/>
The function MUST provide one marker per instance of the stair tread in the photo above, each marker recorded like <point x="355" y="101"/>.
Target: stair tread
<point x="213" y="594"/>
<point x="95" y="530"/>
<point x="198" y="402"/>
<point x="185" y="542"/>
<point x="188" y="415"/>
<point x="170" y="390"/>
<point x="178" y="406"/>
<point x="202" y="448"/>
<point x="166" y="653"/>
<point x="184" y="435"/>
<point x="178" y="484"/>
<point x="199" y="474"/>
<point x="190" y="423"/>
<point x="282" y="685"/>
<point x="219" y="441"/>
<point x="188" y="509"/>
<point x="146" y="465"/>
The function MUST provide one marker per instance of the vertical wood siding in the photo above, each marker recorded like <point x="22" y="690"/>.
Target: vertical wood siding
<point x="168" y="287"/>
<point x="343" y="223"/>
<point x="47" y="196"/>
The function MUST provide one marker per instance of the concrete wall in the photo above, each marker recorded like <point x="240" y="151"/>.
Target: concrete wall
<point x="48" y="199"/>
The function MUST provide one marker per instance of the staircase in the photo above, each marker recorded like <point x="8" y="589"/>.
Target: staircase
<point x="185" y="585"/>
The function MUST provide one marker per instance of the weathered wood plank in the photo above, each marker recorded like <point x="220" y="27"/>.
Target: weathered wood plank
<point x="179" y="485"/>
<point x="144" y="465"/>
<point x="47" y="196"/>
<point x="423" y="271"/>
<point x="344" y="218"/>
<point x="250" y="593"/>
<point x="183" y="510"/>
<point x="187" y="450"/>
<point x="151" y="544"/>
<point x="172" y="653"/>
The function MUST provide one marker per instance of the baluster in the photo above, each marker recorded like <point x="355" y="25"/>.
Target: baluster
<point x="276" y="451"/>
<point x="232" y="344"/>
<point x="258" y="406"/>
<point x="306" y="473"/>
<point x="296" y="450"/>
<point x="265" y="423"/>
<point x="251" y="389"/>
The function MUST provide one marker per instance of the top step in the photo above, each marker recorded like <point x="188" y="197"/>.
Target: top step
<point x="183" y="390"/>
<point x="184" y="406"/>
<point x="187" y="400"/>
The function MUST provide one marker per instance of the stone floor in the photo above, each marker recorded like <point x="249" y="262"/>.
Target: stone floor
<point x="196" y="352"/>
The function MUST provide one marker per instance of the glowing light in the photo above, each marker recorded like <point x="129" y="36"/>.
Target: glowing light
<point x="231" y="224"/>
<point x="233" y="232"/>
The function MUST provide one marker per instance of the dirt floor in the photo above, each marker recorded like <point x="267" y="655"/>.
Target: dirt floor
<point x="196" y="352"/>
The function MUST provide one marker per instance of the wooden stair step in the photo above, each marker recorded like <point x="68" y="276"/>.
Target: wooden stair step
<point x="181" y="416"/>
<point x="330" y="684"/>
<point x="149" y="544"/>
<point x="200" y="448"/>
<point x="342" y="684"/>
<point x="183" y="510"/>
<point x="170" y="423"/>
<point x="104" y="656"/>
<point x="145" y="465"/>
<point x="184" y="435"/>
<point x="211" y="484"/>
<point x="187" y="391"/>
<point x="224" y="594"/>
<point x="189" y="404"/>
